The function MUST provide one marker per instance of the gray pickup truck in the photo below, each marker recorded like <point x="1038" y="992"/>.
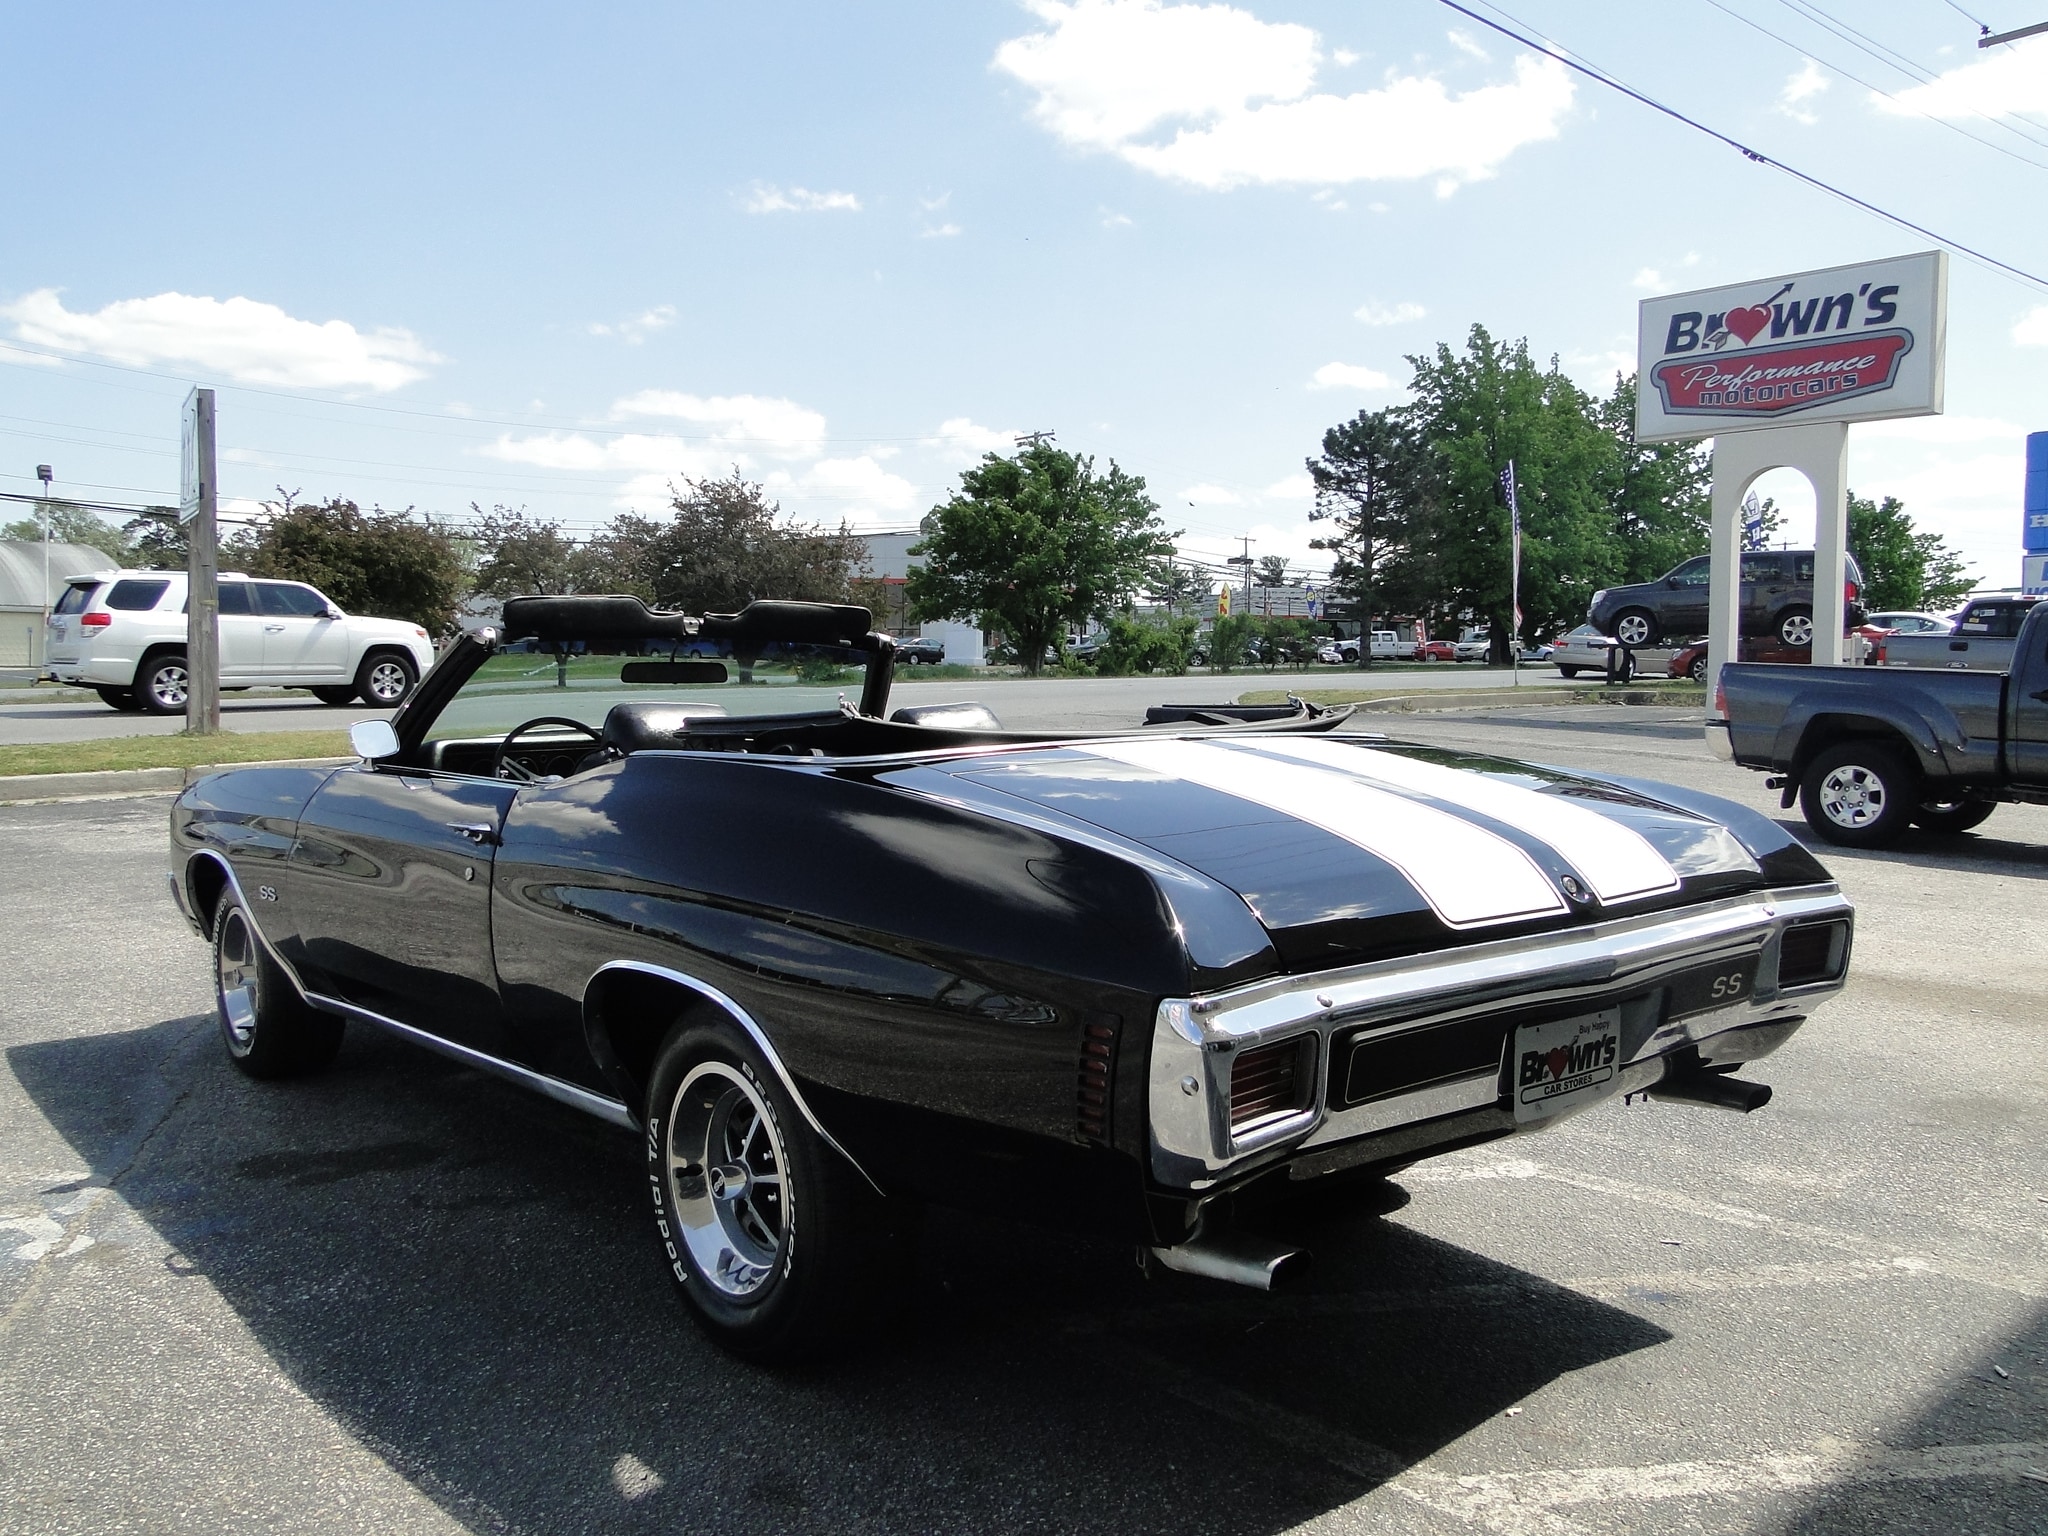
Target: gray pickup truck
<point x="1982" y="640"/>
<point x="1870" y="752"/>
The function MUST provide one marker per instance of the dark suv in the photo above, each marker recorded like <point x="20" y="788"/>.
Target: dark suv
<point x="1777" y="599"/>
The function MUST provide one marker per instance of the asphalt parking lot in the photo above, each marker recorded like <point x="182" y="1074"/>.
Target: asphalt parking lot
<point x="403" y="1297"/>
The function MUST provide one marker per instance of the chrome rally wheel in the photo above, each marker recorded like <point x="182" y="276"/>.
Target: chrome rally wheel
<point x="267" y="1027"/>
<point x="728" y="1184"/>
<point x="235" y="962"/>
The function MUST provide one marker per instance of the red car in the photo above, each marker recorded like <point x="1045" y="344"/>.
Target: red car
<point x="1436" y="650"/>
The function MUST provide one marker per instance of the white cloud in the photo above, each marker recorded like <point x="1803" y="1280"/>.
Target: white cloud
<point x="1649" y="279"/>
<point x="963" y="441"/>
<point x="1349" y="376"/>
<point x="1210" y="496"/>
<point x="1800" y="89"/>
<point x="861" y="482"/>
<point x="774" y="426"/>
<point x="2032" y="328"/>
<point x="1289" y="488"/>
<point x="241" y="339"/>
<point x="1465" y="43"/>
<point x="1112" y="220"/>
<point x="2009" y="81"/>
<point x="938" y="232"/>
<point x="636" y="330"/>
<point x="1343" y="58"/>
<point x="765" y="198"/>
<point x="1388" y="314"/>
<point x="1116" y="75"/>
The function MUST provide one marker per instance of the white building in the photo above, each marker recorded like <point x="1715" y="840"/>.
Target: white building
<point x="22" y="594"/>
<point x="889" y="561"/>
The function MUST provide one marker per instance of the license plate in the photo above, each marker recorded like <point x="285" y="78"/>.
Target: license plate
<point x="1707" y="987"/>
<point x="1566" y="1064"/>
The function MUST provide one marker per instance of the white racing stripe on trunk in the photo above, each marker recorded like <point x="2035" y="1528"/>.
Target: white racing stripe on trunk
<point x="1615" y="860"/>
<point x="1468" y="875"/>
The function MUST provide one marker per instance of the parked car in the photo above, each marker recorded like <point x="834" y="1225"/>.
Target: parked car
<point x="1385" y="644"/>
<point x="1536" y="651"/>
<point x="1434" y="650"/>
<point x="827" y="963"/>
<point x="914" y="650"/>
<point x="1473" y="645"/>
<point x="1333" y="654"/>
<point x="1580" y="650"/>
<point x="1690" y="661"/>
<point x="1911" y="623"/>
<point x="122" y="633"/>
<point x="1869" y="754"/>
<point x="1981" y="641"/>
<point x="1777" y="599"/>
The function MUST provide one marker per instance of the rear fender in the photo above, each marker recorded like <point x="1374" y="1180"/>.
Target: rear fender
<point x="1912" y="717"/>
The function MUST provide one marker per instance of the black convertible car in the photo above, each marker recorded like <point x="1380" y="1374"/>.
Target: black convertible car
<point x="691" y="876"/>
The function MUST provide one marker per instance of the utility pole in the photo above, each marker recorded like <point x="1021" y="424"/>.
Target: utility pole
<point x="43" y="474"/>
<point x="1245" y="560"/>
<point x="199" y="509"/>
<point x="1990" y="39"/>
<point x="1034" y="439"/>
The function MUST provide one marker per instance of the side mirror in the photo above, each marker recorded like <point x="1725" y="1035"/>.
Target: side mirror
<point x="373" y="740"/>
<point x="333" y="613"/>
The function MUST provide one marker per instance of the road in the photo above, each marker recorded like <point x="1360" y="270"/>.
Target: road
<point x="1026" y="703"/>
<point x="403" y="1298"/>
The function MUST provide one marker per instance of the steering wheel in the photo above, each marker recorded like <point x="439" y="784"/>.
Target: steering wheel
<point x="504" y="767"/>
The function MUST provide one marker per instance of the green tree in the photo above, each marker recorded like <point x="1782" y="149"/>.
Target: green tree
<point x="723" y="545"/>
<point x="71" y="524"/>
<point x="1271" y="571"/>
<point x="1145" y="646"/>
<point x="390" y="564"/>
<point x="1369" y="487"/>
<point x="1658" y="492"/>
<point x="1033" y="543"/>
<point x="1179" y="588"/>
<point x="158" y="541"/>
<point x="519" y="555"/>
<point x="1473" y="412"/>
<point x="1902" y="567"/>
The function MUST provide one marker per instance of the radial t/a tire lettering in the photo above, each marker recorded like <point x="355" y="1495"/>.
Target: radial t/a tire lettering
<point x="1860" y="793"/>
<point x="268" y="1028"/>
<point x="774" y="1241"/>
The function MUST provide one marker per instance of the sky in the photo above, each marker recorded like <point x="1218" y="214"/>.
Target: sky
<point x="506" y="253"/>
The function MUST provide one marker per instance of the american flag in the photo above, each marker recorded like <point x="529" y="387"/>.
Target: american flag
<point x="1507" y="490"/>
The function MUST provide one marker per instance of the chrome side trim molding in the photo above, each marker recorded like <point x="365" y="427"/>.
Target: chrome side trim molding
<point x="603" y="1107"/>
<point x="755" y="1032"/>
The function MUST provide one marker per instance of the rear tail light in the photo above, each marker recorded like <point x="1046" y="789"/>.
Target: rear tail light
<point x="1271" y="1080"/>
<point x="1849" y="591"/>
<point x="95" y="620"/>
<point x="1721" y="700"/>
<point x="1812" y="952"/>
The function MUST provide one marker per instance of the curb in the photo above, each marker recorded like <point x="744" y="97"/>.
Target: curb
<point x="1445" y="701"/>
<point x="111" y="783"/>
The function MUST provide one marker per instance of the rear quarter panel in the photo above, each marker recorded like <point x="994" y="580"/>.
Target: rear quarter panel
<point x="1779" y="716"/>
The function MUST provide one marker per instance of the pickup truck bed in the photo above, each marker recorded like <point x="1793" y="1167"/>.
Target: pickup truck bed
<point x="1984" y="639"/>
<point x="1870" y="752"/>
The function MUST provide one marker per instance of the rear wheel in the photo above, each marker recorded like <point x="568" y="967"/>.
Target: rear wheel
<point x="1795" y="627"/>
<point x="163" y="684"/>
<point x="386" y="679"/>
<point x="1861" y="794"/>
<point x="773" y="1239"/>
<point x="269" y="1029"/>
<point x="1566" y="671"/>
<point x="122" y="699"/>
<point x="335" y="696"/>
<point x="1698" y="670"/>
<point x="1636" y="627"/>
<point x="1948" y="817"/>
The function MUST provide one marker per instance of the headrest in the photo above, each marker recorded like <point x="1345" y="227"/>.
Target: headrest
<point x="950" y="717"/>
<point x="639" y="724"/>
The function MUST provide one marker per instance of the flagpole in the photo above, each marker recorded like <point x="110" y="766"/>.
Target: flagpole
<point x="1515" y="578"/>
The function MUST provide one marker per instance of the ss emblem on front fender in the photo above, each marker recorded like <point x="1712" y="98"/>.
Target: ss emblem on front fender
<point x="266" y="893"/>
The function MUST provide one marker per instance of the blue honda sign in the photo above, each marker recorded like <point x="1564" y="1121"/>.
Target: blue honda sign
<point x="2034" y="534"/>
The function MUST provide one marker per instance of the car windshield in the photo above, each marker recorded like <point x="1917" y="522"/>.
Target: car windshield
<point x="578" y="681"/>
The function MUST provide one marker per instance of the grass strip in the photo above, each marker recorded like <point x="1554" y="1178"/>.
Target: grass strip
<point x="180" y="751"/>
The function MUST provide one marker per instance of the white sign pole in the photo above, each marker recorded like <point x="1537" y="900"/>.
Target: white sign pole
<point x="199" y="510"/>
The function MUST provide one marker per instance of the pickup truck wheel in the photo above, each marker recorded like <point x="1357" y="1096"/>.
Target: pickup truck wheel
<point x="336" y="696"/>
<point x="122" y="699"/>
<point x="386" y="679"/>
<point x="1948" y="817"/>
<point x="774" y="1241"/>
<point x="1860" y="794"/>
<point x="269" y="1029"/>
<point x="163" y="684"/>
<point x="1795" y="627"/>
<point x="1635" y="628"/>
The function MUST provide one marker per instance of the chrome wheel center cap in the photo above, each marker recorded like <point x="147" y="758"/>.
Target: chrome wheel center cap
<point x="728" y="1181"/>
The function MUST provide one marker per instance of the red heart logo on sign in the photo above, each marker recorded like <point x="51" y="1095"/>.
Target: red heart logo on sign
<point x="1748" y="323"/>
<point x="1556" y="1061"/>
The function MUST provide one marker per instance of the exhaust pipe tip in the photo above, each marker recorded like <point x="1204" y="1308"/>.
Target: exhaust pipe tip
<point x="1238" y="1257"/>
<point x="1715" y="1089"/>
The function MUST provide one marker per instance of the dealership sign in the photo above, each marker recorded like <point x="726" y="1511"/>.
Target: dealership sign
<point x="1845" y="344"/>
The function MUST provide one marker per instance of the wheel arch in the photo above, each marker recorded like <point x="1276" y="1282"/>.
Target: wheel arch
<point x="206" y="879"/>
<point x="1823" y="731"/>
<point x="629" y="1007"/>
<point x="150" y="653"/>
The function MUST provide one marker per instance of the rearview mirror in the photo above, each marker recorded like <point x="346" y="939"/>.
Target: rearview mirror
<point x="373" y="740"/>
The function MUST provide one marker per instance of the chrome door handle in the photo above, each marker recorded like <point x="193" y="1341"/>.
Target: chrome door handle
<point x="482" y="833"/>
<point x="273" y="629"/>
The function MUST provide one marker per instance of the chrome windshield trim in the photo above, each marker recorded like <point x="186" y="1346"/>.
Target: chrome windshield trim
<point x="1195" y="1040"/>
<point x="754" y="1031"/>
<point x="605" y="1108"/>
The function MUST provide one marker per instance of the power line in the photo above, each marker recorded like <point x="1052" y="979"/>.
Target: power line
<point x="1760" y="158"/>
<point x="1868" y="85"/>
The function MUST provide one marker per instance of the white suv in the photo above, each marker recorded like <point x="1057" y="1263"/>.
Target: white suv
<point x="123" y="634"/>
